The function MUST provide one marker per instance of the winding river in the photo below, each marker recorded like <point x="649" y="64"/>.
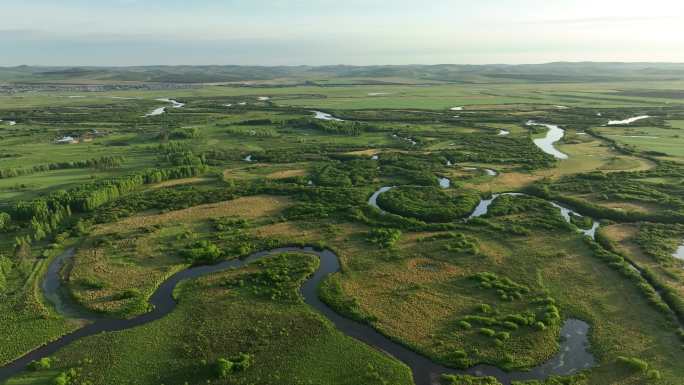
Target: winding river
<point x="325" y="116"/>
<point x="483" y="207"/>
<point x="565" y="212"/>
<point x="627" y="121"/>
<point x="546" y="143"/>
<point x="161" y="110"/>
<point x="373" y="200"/>
<point x="174" y="103"/>
<point x="572" y="357"/>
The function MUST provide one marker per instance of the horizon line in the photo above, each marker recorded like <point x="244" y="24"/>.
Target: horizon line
<point x="339" y="64"/>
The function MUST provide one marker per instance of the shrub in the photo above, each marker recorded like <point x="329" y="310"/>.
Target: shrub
<point x="506" y="289"/>
<point x="203" y="252"/>
<point x="4" y="220"/>
<point x="487" y="321"/>
<point x="91" y="283"/>
<point x="61" y="379"/>
<point x="503" y="336"/>
<point x="465" y="325"/>
<point x="128" y="294"/>
<point x="487" y="332"/>
<point x="5" y="267"/>
<point x="42" y="364"/>
<point x="225" y="367"/>
<point x="67" y="377"/>
<point x="519" y="319"/>
<point x="384" y="237"/>
<point x="653" y="374"/>
<point x="243" y="361"/>
<point x="510" y="325"/>
<point x="634" y="363"/>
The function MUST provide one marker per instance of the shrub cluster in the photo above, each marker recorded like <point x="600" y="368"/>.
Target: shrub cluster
<point x="429" y="204"/>
<point x="224" y="367"/>
<point x="505" y="288"/>
<point x="384" y="237"/>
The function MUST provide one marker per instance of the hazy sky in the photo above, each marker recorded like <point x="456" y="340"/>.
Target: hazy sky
<point x="291" y="32"/>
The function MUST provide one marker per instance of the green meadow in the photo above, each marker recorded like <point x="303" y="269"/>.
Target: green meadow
<point x="244" y="167"/>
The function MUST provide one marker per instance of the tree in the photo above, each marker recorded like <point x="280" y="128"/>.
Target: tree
<point x="4" y="220"/>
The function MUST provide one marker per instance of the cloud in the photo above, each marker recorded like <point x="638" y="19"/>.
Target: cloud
<point x="333" y="31"/>
<point x="606" y="20"/>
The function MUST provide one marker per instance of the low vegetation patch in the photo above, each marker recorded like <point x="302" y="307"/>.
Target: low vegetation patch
<point x="429" y="204"/>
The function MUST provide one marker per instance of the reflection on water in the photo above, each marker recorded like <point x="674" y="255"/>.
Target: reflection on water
<point x="679" y="254"/>
<point x="546" y="144"/>
<point x="627" y="121"/>
<point x="325" y="116"/>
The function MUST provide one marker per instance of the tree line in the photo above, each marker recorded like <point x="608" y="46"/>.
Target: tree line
<point x="102" y="163"/>
<point x="44" y="215"/>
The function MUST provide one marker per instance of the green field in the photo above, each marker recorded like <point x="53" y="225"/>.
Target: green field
<point x="141" y="198"/>
<point x="668" y="141"/>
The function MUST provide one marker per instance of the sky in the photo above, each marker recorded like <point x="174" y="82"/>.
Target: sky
<point x="324" y="32"/>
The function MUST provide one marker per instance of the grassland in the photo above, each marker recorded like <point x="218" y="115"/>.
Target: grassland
<point x="289" y="343"/>
<point x="266" y="173"/>
<point x="667" y="270"/>
<point x="668" y="141"/>
<point x="421" y="290"/>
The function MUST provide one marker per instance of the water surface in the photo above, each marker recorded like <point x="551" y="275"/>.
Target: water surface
<point x="572" y="357"/>
<point x="325" y="116"/>
<point x="627" y="121"/>
<point x="161" y="110"/>
<point x="156" y="111"/>
<point x="174" y="103"/>
<point x="546" y="143"/>
<point x="483" y="208"/>
<point x="679" y="253"/>
<point x="373" y="200"/>
<point x="413" y="142"/>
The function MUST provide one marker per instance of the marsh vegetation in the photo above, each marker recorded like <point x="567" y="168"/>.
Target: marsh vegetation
<point x="141" y="198"/>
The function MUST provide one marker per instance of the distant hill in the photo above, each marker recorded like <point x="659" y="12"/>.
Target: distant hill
<point x="344" y="74"/>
